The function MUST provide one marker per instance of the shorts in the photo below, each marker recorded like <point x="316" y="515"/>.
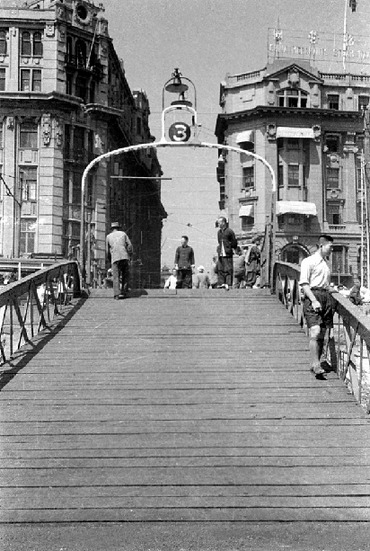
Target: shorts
<point x="323" y="318"/>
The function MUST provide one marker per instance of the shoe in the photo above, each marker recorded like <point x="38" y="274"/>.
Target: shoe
<point x="317" y="370"/>
<point x="226" y="287"/>
<point x="116" y="297"/>
<point x="121" y="296"/>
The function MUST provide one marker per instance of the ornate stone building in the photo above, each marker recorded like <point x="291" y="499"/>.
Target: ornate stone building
<point x="64" y="99"/>
<point x="309" y="126"/>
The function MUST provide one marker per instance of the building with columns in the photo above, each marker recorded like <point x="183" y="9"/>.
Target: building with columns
<point x="65" y="99"/>
<point x="309" y="125"/>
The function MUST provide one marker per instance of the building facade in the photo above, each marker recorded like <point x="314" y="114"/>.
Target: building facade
<point x="64" y="100"/>
<point x="309" y="126"/>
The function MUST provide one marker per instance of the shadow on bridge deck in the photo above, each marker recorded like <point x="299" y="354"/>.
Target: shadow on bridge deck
<point x="186" y="423"/>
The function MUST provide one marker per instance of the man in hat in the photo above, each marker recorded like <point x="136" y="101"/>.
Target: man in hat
<point x="119" y="252"/>
<point x="201" y="279"/>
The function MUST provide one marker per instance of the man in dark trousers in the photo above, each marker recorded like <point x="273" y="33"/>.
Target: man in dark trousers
<point x="119" y="252"/>
<point x="184" y="264"/>
<point x="226" y="243"/>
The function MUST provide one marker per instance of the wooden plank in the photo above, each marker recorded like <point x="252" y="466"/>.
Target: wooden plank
<point x="195" y="408"/>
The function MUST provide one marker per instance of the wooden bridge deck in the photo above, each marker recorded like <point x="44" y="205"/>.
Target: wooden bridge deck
<point x="196" y="408"/>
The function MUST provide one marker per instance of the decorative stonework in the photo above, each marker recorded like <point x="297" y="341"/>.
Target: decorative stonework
<point x="46" y="129"/>
<point x="50" y="30"/>
<point x="293" y="77"/>
<point x="316" y="132"/>
<point x="271" y="131"/>
<point x="58" y="133"/>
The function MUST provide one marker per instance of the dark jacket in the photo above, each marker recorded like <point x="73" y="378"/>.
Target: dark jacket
<point x="184" y="257"/>
<point x="227" y="237"/>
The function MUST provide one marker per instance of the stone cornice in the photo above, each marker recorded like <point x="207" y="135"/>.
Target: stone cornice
<point x="264" y="111"/>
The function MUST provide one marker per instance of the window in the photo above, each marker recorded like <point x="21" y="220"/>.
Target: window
<point x="291" y="254"/>
<point x="333" y="101"/>
<point x="138" y="126"/>
<point x="69" y="54"/>
<point x="79" y="142"/>
<point x="293" y="143"/>
<point x="30" y="80"/>
<point x="292" y="98"/>
<point x="248" y="177"/>
<point x="334" y="213"/>
<point x="246" y="223"/>
<point x="29" y="184"/>
<point x="293" y="175"/>
<point x="28" y="178"/>
<point x="339" y="260"/>
<point x="363" y="102"/>
<point x="2" y="80"/>
<point x="37" y="45"/>
<point x="76" y="188"/>
<point x="36" y="80"/>
<point x="3" y="44"/>
<point x="332" y="178"/>
<point x="26" y="43"/>
<point x="81" y="87"/>
<point x="332" y="144"/>
<point x="28" y="136"/>
<point x="81" y="54"/>
<point x="27" y="236"/>
<point x="281" y="176"/>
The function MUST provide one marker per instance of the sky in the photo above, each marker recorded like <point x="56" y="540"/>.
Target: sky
<point x="206" y="39"/>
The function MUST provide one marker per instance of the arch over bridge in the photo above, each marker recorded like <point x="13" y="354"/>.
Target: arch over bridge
<point x="179" y="135"/>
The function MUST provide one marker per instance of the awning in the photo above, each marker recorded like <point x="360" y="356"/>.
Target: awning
<point x="296" y="207"/>
<point x="292" y="132"/>
<point x="246" y="136"/>
<point x="246" y="210"/>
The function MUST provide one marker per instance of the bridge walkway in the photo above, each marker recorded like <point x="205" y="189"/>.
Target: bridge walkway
<point x="192" y="414"/>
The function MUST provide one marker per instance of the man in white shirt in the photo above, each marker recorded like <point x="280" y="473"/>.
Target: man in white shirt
<point x="318" y="302"/>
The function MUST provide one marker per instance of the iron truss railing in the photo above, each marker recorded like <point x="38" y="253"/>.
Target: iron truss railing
<point x="348" y="344"/>
<point x="30" y="305"/>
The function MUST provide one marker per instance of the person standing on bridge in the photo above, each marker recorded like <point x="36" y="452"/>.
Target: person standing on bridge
<point x="119" y="252"/>
<point x="226" y="243"/>
<point x="318" y="307"/>
<point x="184" y="264"/>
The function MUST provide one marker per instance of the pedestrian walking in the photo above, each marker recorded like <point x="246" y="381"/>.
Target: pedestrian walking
<point x="318" y="306"/>
<point x="119" y="253"/>
<point x="239" y="269"/>
<point x="171" y="281"/>
<point x="201" y="279"/>
<point x="226" y="244"/>
<point x="253" y="262"/>
<point x="184" y="264"/>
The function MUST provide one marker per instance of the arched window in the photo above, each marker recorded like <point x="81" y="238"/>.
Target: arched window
<point x="25" y="43"/>
<point x="3" y="44"/>
<point x="81" y="53"/>
<point x="294" y="253"/>
<point x="37" y="44"/>
<point x="69" y="49"/>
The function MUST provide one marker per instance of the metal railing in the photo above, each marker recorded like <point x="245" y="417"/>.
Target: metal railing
<point x="348" y="344"/>
<point x="30" y="305"/>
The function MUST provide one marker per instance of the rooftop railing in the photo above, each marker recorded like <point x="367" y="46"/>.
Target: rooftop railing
<point x="347" y="346"/>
